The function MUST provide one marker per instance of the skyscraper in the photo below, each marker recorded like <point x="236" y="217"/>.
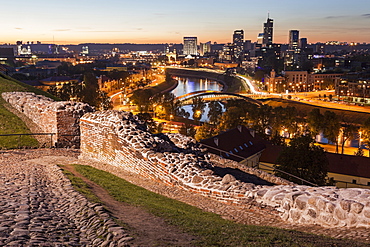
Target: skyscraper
<point x="238" y="37"/>
<point x="303" y="43"/>
<point x="205" y="48"/>
<point x="190" y="46"/>
<point x="268" y="31"/>
<point x="238" y="43"/>
<point x="293" y="39"/>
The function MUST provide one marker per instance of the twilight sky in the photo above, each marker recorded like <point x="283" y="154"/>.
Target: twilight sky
<point x="165" y="21"/>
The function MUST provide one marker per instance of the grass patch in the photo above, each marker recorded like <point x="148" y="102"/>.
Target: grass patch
<point x="10" y="123"/>
<point x="211" y="229"/>
<point x="80" y="186"/>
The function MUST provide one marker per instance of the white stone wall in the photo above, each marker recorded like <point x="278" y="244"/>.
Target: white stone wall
<point x="61" y="118"/>
<point x="119" y="139"/>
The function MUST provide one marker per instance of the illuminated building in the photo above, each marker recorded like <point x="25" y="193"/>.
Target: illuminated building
<point x="293" y="39"/>
<point x="238" y="43"/>
<point x="190" y="46"/>
<point x="354" y="90"/>
<point x="268" y="31"/>
<point x="205" y="48"/>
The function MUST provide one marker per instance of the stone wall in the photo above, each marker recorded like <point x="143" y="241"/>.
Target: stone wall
<point x="118" y="138"/>
<point x="61" y="118"/>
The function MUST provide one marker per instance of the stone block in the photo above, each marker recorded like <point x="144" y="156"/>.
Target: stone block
<point x="345" y="204"/>
<point x="356" y="207"/>
<point x="301" y="202"/>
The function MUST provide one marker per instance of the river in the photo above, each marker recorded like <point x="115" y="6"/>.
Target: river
<point x="189" y="85"/>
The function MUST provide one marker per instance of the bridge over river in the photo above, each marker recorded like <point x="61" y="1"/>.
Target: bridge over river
<point x="209" y="95"/>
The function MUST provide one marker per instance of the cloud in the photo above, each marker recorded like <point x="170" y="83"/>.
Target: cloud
<point x="366" y="15"/>
<point x="336" y="17"/>
<point x="18" y="28"/>
<point x="61" y="30"/>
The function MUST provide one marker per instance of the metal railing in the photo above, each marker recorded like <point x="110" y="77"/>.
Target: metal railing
<point x="274" y="169"/>
<point x="66" y="141"/>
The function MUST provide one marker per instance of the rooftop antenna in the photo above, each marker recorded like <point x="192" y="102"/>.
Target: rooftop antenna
<point x="268" y="14"/>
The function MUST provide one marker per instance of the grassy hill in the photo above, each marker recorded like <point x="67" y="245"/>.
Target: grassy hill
<point x="10" y="123"/>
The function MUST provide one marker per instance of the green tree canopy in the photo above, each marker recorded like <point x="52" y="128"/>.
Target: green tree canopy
<point x="303" y="159"/>
<point x="315" y="121"/>
<point x="187" y="130"/>
<point x="204" y="132"/>
<point x="331" y="127"/>
<point x="197" y="107"/>
<point x="215" y="112"/>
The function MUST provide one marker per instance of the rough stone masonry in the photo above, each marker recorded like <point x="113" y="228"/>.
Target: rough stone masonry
<point x="58" y="117"/>
<point x="120" y="139"/>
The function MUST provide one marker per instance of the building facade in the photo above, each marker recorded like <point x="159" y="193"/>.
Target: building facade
<point x="268" y="28"/>
<point x="353" y="90"/>
<point x="190" y="46"/>
<point x="293" y="39"/>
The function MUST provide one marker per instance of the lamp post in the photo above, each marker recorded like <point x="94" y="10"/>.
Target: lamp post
<point x="171" y="117"/>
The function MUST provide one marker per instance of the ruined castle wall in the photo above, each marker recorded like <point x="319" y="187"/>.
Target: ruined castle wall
<point x="119" y="139"/>
<point x="61" y="118"/>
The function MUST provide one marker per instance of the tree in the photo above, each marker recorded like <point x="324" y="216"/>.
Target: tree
<point x="187" y="130"/>
<point x="104" y="102"/>
<point x="348" y="131"/>
<point x="215" y="111"/>
<point x="204" y="132"/>
<point x="315" y="120"/>
<point x="331" y="127"/>
<point x="198" y="106"/>
<point x="166" y="105"/>
<point x="303" y="159"/>
<point x="90" y="91"/>
<point x="359" y="152"/>
<point x="141" y="99"/>
<point x="365" y="133"/>
<point x="231" y="118"/>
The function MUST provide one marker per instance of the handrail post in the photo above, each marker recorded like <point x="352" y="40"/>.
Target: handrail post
<point x="51" y="139"/>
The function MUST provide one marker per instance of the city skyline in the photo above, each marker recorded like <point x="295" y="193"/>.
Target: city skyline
<point x="114" y="21"/>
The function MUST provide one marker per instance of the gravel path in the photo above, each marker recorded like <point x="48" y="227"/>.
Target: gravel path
<point x="36" y="202"/>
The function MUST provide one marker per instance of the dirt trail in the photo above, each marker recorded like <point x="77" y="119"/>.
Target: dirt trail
<point x="147" y="229"/>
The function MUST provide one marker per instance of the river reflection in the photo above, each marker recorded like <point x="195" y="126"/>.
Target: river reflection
<point x="189" y="85"/>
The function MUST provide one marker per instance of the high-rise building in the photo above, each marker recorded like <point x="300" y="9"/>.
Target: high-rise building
<point x="268" y="31"/>
<point x="303" y="43"/>
<point x="238" y="37"/>
<point x="293" y="39"/>
<point x="190" y="46"/>
<point x="238" y="42"/>
<point x="205" y="48"/>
